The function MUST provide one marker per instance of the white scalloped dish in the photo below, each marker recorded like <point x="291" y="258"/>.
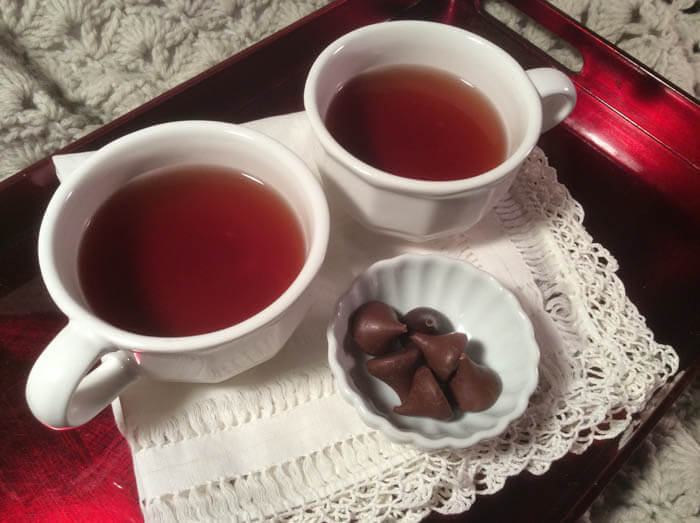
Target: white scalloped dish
<point x="500" y="337"/>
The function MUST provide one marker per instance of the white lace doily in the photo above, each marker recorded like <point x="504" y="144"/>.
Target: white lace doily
<point x="279" y="442"/>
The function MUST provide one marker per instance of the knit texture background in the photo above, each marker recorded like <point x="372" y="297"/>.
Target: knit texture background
<point x="69" y="66"/>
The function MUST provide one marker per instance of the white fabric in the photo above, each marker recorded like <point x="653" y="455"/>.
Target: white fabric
<point x="278" y="442"/>
<point x="171" y="468"/>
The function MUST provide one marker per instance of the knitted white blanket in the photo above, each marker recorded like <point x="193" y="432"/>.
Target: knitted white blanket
<point x="69" y="66"/>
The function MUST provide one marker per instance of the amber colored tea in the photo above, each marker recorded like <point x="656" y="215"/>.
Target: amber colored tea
<point x="188" y="250"/>
<point x="417" y="122"/>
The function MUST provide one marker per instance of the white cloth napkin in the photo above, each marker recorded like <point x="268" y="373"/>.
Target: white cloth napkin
<point x="279" y="442"/>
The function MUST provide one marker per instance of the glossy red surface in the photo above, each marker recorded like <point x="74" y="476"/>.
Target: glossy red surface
<point x="627" y="153"/>
<point x="59" y="476"/>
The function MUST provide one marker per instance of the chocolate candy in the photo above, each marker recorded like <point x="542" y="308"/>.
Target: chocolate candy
<point x="425" y="398"/>
<point x="374" y="327"/>
<point x="427" y="320"/>
<point x="397" y="369"/>
<point x="442" y="352"/>
<point x="431" y="349"/>
<point x="474" y="387"/>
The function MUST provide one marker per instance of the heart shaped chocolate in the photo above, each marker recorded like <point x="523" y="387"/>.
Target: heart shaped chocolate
<point x="442" y="352"/>
<point x="425" y="398"/>
<point x="397" y="369"/>
<point x="374" y="327"/>
<point x="474" y="387"/>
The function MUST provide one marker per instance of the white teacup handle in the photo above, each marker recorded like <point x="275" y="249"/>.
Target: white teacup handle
<point x="557" y="92"/>
<point x="62" y="391"/>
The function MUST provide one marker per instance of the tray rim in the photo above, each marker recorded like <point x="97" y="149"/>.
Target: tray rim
<point x="667" y="395"/>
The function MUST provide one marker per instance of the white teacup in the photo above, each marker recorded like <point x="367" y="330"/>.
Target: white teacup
<point x="62" y="390"/>
<point x="528" y="102"/>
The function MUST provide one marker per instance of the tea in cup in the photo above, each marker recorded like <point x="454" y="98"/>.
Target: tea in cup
<point x="181" y="252"/>
<point x="423" y="126"/>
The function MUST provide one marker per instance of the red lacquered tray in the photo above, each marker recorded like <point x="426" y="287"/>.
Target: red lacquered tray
<point x="628" y="153"/>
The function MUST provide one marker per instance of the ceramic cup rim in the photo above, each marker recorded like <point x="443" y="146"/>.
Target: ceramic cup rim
<point x="78" y="312"/>
<point x="382" y="179"/>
